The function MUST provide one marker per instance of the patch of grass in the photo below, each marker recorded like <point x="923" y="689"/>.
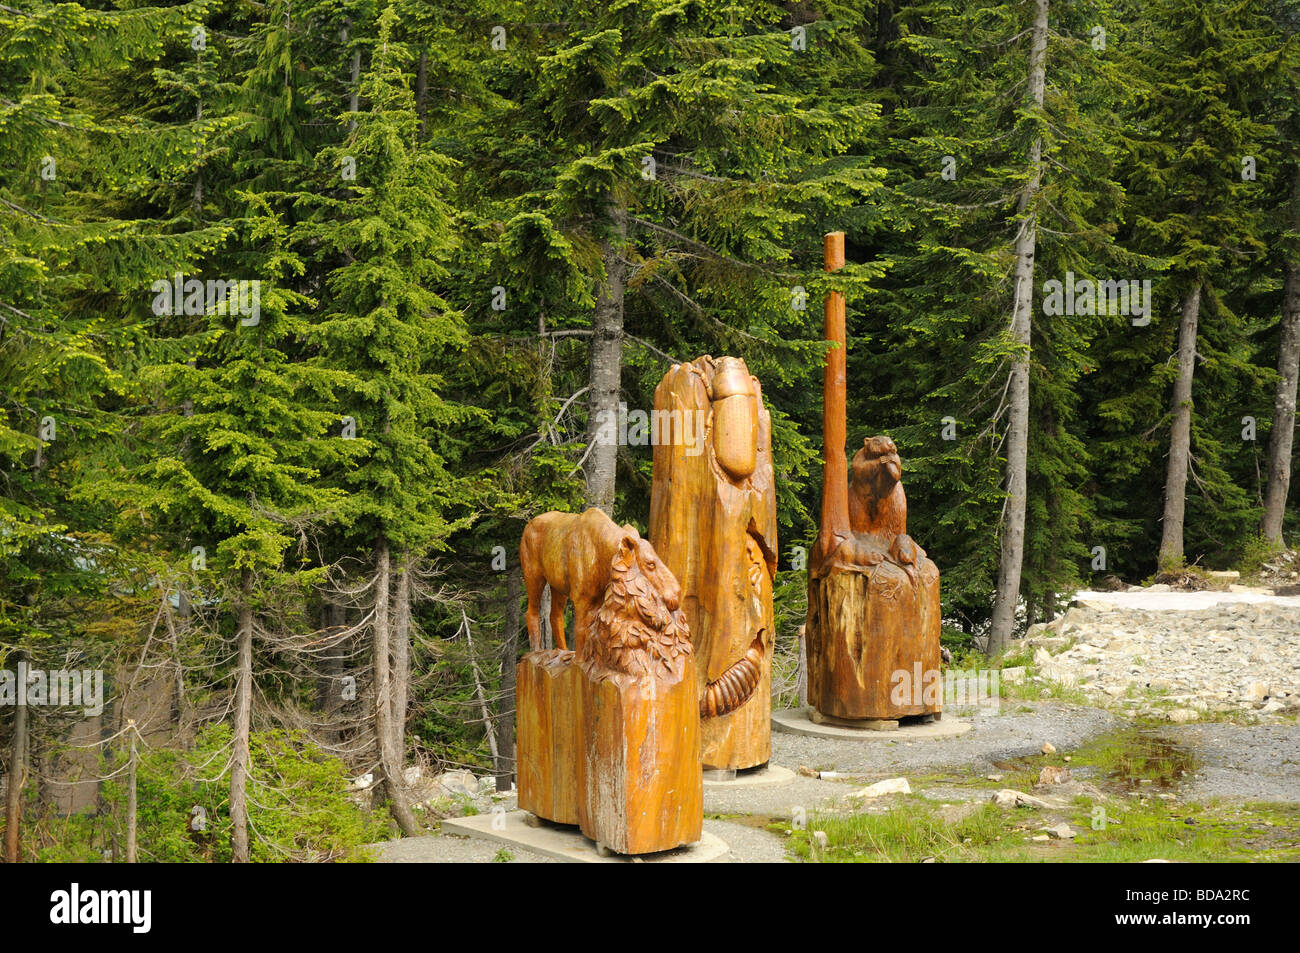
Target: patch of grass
<point x="460" y="805"/>
<point x="1146" y="828"/>
<point x="503" y="856"/>
<point x="1058" y="691"/>
<point x="1105" y="832"/>
<point x="1257" y="550"/>
<point x="1016" y="659"/>
<point x="1190" y="577"/>
<point x="911" y="831"/>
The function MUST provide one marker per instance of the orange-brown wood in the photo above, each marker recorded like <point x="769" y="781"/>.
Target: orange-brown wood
<point x="609" y="736"/>
<point x="873" y="625"/>
<point x="643" y="787"/>
<point x="572" y="553"/>
<point x="873" y="643"/>
<point x="642" y="784"/>
<point x="549" y="746"/>
<point x="713" y="520"/>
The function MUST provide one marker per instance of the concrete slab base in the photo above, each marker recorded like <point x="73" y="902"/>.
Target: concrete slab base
<point x="865" y="724"/>
<point x="562" y="842"/>
<point x="760" y="777"/>
<point x="798" y="721"/>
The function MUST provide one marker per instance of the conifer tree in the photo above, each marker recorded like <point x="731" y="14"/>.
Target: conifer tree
<point x="383" y="245"/>
<point x="1004" y="186"/>
<point x="1193" y="133"/>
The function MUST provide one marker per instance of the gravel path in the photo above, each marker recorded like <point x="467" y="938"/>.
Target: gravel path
<point x="1243" y="762"/>
<point x="1255" y="762"/>
<point x="992" y="738"/>
<point x="1012" y="734"/>
<point x="449" y="849"/>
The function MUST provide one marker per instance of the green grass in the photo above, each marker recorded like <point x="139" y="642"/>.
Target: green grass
<point x="1143" y="828"/>
<point x="1258" y="550"/>
<point x="1127" y="820"/>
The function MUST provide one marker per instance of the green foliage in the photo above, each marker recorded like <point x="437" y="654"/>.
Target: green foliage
<point x="442" y="298"/>
<point x="298" y="795"/>
<point x="301" y="809"/>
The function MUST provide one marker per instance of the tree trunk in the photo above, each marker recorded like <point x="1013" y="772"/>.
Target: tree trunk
<point x="131" y="802"/>
<point x="480" y="692"/>
<point x="181" y="620"/>
<point x="422" y="90"/>
<point x="606" y="365"/>
<point x="801" y="675"/>
<point x="505" y="766"/>
<point x="1013" y="528"/>
<point x="17" y="775"/>
<point x="197" y="199"/>
<point x="329" y="697"/>
<point x="1180" y="437"/>
<point x="243" y="725"/>
<point x="1284" y="404"/>
<point x="354" y="100"/>
<point x="390" y="759"/>
<point x="401" y="653"/>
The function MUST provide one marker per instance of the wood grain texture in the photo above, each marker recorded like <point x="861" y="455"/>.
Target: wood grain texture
<point x="863" y="627"/>
<point x="643" y="787"/>
<point x="713" y="521"/>
<point x="549" y="746"/>
<point x="572" y="554"/>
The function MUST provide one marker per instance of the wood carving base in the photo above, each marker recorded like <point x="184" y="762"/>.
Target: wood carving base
<point x="873" y="643"/>
<point x="863" y="724"/>
<point x="548" y="715"/>
<point x="619" y="757"/>
<point x="643" y="786"/>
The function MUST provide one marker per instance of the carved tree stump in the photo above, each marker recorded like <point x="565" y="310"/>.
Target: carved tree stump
<point x="549" y="747"/>
<point x="873" y="596"/>
<point x="609" y="738"/>
<point x="873" y="643"/>
<point x="643" y="787"/>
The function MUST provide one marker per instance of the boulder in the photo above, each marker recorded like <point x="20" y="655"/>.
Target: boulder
<point x="881" y="788"/>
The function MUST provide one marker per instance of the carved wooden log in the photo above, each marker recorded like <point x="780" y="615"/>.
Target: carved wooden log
<point x="713" y="521"/>
<point x="642" y="784"/>
<point x="549" y="747"/>
<point x="609" y="737"/>
<point x="643" y="788"/>
<point x="873" y="627"/>
<point x="873" y="643"/>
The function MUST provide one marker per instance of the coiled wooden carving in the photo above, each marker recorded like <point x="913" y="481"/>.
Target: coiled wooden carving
<point x="733" y="687"/>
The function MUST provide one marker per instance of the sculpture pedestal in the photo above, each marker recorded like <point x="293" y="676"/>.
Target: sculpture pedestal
<point x="549" y="747"/>
<point x="616" y="755"/>
<point x="643" y="787"/>
<point x="873" y="642"/>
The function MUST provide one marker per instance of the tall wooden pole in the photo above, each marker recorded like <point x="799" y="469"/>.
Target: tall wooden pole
<point x="835" y="473"/>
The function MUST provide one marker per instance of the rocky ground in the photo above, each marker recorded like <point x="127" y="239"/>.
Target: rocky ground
<point x="1220" y="670"/>
<point x="1181" y="655"/>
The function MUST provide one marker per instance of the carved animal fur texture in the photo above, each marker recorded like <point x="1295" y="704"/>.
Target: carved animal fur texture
<point x="637" y="633"/>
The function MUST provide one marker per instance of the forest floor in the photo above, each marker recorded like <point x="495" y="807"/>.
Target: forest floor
<point x="1121" y="743"/>
<point x="1239" y="778"/>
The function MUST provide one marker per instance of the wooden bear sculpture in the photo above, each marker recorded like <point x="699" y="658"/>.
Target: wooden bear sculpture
<point x="609" y="735"/>
<point x="873" y="624"/>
